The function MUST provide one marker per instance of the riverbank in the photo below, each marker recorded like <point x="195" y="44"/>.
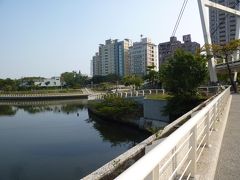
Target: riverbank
<point x="117" y="109"/>
<point x="51" y="96"/>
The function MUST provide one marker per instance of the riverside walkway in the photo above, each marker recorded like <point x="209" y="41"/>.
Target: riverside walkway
<point x="192" y="151"/>
<point x="228" y="167"/>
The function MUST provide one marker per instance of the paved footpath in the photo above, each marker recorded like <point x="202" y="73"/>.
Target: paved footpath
<point x="228" y="167"/>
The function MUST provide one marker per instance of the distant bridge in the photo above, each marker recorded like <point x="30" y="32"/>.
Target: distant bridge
<point x="234" y="65"/>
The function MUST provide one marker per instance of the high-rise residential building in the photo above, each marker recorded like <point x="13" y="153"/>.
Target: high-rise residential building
<point x="167" y="49"/>
<point x="112" y="58"/>
<point x="143" y="54"/>
<point x="124" y="57"/>
<point x="96" y="65"/>
<point x="222" y="24"/>
<point x="123" y="61"/>
<point x="108" y="57"/>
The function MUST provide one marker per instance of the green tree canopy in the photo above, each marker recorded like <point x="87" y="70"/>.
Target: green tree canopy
<point x="8" y="84"/>
<point x="184" y="73"/>
<point x="225" y="52"/>
<point x="74" y="79"/>
<point x="112" y="78"/>
<point x="152" y="76"/>
<point x="132" y="80"/>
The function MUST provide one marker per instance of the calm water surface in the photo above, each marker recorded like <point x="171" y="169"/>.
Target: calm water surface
<point x="57" y="140"/>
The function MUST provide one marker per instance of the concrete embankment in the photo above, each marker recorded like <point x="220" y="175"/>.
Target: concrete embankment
<point x="42" y="96"/>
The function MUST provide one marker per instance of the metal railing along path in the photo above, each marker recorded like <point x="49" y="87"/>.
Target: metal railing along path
<point x="177" y="156"/>
<point x="127" y="94"/>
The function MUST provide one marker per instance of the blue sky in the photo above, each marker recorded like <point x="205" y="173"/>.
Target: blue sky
<point x="48" y="37"/>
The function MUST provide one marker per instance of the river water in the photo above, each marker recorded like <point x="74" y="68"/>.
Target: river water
<point x="57" y="140"/>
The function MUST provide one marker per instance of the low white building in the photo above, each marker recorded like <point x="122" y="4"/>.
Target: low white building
<point x="49" y="82"/>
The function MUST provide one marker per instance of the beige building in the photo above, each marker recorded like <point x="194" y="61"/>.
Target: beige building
<point x="143" y="54"/>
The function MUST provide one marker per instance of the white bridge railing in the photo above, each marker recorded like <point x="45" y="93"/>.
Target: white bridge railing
<point x="140" y="92"/>
<point x="126" y="94"/>
<point x="177" y="156"/>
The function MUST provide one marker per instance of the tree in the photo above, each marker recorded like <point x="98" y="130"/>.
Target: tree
<point x="225" y="52"/>
<point x="74" y="79"/>
<point x="132" y="80"/>
<point x="108" y="78"/>
<point x="68" y="78"/>
<point x="182" y="75"/>
<point x="8" y="84"/>
<point x="152" y="76"/>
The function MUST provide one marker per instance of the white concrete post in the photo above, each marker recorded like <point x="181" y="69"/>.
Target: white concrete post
<point x="150" y="92"/>
<point x="155" y="173"/>
<point x="156" y="91"/>
<point x="219" y="109"/>
<point x="236" y="54"/>
<point x="174" y="160"/>
<point x="214" y="117"/>
<point x="207" y="38"/>
<point x="143" y="92"/>
<point x="207" y="130"/>
<point x="193" y="144"/>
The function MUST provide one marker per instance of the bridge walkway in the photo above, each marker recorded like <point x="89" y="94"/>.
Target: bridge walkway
<point x="228" y="167"/>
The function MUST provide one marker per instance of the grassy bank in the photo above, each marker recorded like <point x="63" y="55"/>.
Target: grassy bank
<point x="117" y="109"/>
<point x="159" y="96"/>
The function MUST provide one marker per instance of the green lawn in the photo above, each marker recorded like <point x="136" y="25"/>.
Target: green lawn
<point x="158" y="96"/>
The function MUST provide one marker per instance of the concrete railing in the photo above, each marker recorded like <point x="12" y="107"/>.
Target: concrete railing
<point x="177" y="156"/>
<point x="140" y="92"/>
<point x="40" y="96"/>
<point x="127" y="94"/>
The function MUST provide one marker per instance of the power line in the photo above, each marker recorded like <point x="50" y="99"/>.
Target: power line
<point x="179" y="17"/>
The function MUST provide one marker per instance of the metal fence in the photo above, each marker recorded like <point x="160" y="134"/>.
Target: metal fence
<point x="177" y="156"/>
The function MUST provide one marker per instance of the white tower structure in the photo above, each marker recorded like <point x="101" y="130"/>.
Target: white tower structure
<point x="203" y="10"/>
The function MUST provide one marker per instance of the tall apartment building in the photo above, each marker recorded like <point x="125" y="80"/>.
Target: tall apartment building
<point x="108" y="57"/>
<point x="123" y="61"/>
<point x="223" y="25"/>
<point x="112" y="58"/>
<point x="167" y="49"/>
<point x="96" y="65"/>
<point x="143" y="54"/>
